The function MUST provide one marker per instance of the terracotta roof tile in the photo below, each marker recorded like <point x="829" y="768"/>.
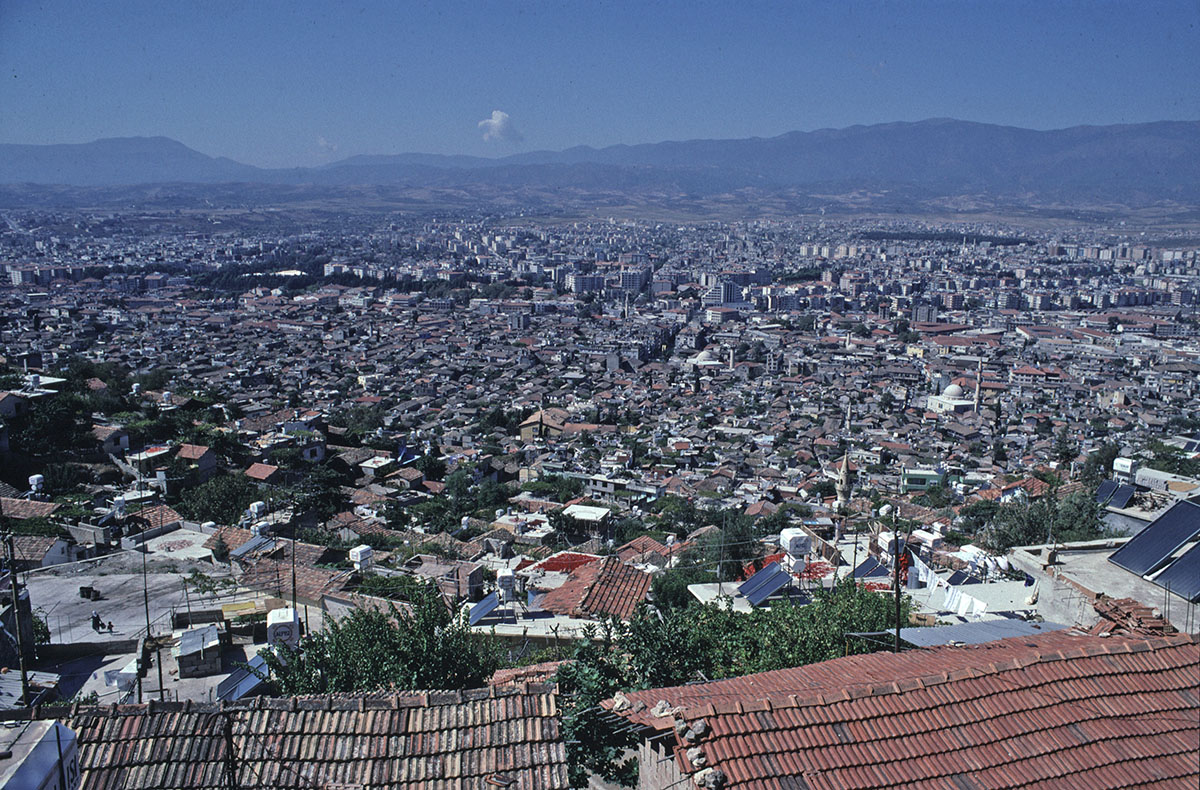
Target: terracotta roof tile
<point x="451" y="740"/>
<point x="1059" y="710"/>
<point x="608" y="587"/>
<point x="22" y="509"/>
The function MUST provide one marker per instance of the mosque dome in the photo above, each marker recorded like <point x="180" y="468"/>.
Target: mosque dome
<point x="953" y="391"/>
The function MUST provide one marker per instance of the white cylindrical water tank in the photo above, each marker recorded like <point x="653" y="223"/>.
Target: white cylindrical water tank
<point x="796" y="542"/>
<point x="283" y="627"/>
<point x="36" y="482"/>
<point x="258" y="508"/>
<point x="361" y="557"/>
<point x="507" y="582"/>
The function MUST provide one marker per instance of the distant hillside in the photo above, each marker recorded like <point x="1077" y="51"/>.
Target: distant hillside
<point x="117" y="161"/>
<point x="1135" y="164"/>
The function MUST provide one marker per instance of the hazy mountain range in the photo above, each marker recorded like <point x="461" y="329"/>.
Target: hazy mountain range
<point x="1135" y="164"/>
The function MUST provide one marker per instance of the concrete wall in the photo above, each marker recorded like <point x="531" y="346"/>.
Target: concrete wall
<point x="134" y="541"/>
<point x="67" y="651"/>
<point x="197" y="665"/>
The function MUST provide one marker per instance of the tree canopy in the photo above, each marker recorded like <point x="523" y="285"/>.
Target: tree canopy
<point x="1074" y="517"/>
<point x="423" y="646"/>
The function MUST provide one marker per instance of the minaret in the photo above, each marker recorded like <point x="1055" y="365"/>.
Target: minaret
<point x="978" y="384"/>
<point x="843" y="483"/>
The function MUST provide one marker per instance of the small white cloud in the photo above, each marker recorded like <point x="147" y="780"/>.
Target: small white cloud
<point x="326" y="146"/>
<point x="500" y="127"/>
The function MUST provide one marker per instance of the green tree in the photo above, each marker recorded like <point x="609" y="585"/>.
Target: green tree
<point x="594" y="745"/>
<point x="1168" y="458"/>
<point x="222" y="499"/>
<point x="458" y="490"/>
<point x="220" y="549"/>
<point x="1099" y="463"/>
<point x="319" y="492"/>
<point x="54" y="424"/>
<point x="669" y="589"/>
<point x="430" y="465"/>
<point x="41" y="630"/>
<point x="1065" y="449"/>
<point x="423" y="646"/>
<point x="1073" y="518"/>
<point x="937" y="496"/>
<point x="63" y="479"/>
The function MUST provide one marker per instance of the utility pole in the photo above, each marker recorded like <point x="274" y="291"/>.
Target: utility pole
<point x="896" y="565"/>
<point x="293" y="567"/>
<point x="16" y="604"/>
<point x="162" y="691"/>
<point x="900" y="550"/>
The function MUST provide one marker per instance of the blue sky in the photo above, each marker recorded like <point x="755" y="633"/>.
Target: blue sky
<point x="300" y="83"/>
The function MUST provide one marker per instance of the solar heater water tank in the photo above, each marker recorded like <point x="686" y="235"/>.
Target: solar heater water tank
<point x="361" y="557"/>
<point x="283" y="627"/>
<point x="1124" y="469"/>
<point x="796" y="542"/>
<point x="507" y="582"/>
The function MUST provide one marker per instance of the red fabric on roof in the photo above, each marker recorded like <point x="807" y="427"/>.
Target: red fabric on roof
<point x="564" y="562"/>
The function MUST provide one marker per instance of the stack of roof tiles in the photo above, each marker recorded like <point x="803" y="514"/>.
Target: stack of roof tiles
<point x="1130" y="615"/>
<point x="1056" y="711"/>
<point x="499" y="737"/>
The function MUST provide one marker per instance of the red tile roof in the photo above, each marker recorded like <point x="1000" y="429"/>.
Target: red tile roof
<point x="608" y="587"/>
<point x="191" y="452"/>
<point x="158" y="515"/>
<point x="533" y="673"/>
<point x="640" y="545"/>
<point x="22" y="509"/>
<point x="1059" y="710"/>
<point x="261" y="471"/>
<point x="456" y="740"/>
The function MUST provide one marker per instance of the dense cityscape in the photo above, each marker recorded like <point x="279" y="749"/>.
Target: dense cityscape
<point x="518" y="432"/>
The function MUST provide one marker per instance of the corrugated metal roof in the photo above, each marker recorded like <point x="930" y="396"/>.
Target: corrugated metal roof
<point x="975" y="633"/>
<point x="205" y="637"/>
